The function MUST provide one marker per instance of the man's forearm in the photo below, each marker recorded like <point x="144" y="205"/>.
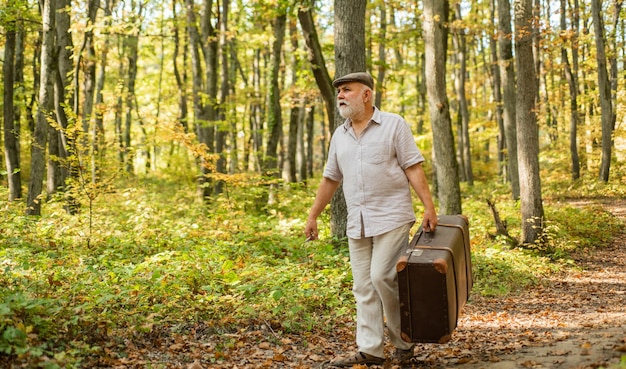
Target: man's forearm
<point x="324" y="194"/>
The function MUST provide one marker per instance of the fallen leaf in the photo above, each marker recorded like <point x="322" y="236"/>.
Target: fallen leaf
<point x="528" y="364"/>
<point x="195" y="365"/>
<point x="177" y="347"/>
<point x="559" y="353"/>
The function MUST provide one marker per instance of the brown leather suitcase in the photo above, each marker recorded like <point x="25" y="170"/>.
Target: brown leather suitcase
<point x="434" y="281"/>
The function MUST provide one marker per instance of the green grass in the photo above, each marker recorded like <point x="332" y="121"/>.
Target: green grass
<point x="157" y="257"/>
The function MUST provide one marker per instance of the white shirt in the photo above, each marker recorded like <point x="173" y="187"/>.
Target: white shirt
<point x="377" y="192"/>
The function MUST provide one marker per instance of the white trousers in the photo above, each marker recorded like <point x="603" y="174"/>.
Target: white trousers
<point x="375" y="288"/>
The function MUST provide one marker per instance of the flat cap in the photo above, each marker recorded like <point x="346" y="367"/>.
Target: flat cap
<point x="361" y="77"/>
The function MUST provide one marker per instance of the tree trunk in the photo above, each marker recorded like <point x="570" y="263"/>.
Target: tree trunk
<point x="257" y="114"/>
<point x="46" y="104"/>
<point x="604" y="85"/>
<point x="132" y="44"/>
<point x="181" y="78"/>
<point x="310" y="124"/>
<point x="274" y="116"/>
<point x="11" y="135"/>
<point x="62" y="164"/>
<point x="349" y="58"/>
<point x="98" y="146"/>
<point x="435" y="42"/>
<point x="615" y="45"/>
<point x="296" y="105"/>
<point x="507" y="73"/>
<point x="527" y="130"/>
<point x="18" y="81"/>
<point x="316" y="58"/>
<point x="204" y="112"/>
<point x="497" y="96"/>
<point x="572" y="81"/>
<point x="464" y="136"/>
<point x="210" y="46"/>
<point x="382" y="60"/>
<point x="222" y="130"/>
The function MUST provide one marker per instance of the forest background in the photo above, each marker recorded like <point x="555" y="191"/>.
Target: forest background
<point x="160" y="156"/>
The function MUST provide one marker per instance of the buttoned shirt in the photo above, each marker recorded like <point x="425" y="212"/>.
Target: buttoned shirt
<point x="371" y="166"/>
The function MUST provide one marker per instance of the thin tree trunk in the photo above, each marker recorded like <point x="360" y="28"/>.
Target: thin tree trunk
<point x="497" y="96"/>
<point x="316" y="58"/>
<point x="464" y="137"/>
<point x="210" y="46"/>
<point x="222" y="131"/>
<point x="18" y="82"/>
<point x="181" y="79"/>
<point x="274" y="116"/>
<point x="435" y="40"/>
<point x="257" y="114"/>
<point x="11" y="135"/>
<point x="572" y="81"/>
<point x="310" y="122"/>
<point x="62" y="165"/>
<point x="132" y="44"/>
<point x="420" y="86"/>
<point x="296" y="105"/>
<point x="301" y="144"/>
<point x="46" y="104"/>
<point x="527" y="130"/>
<point x="507" y="72"/>
<point x="382" y="59"/>
<point x="604" y="86"/>
<point x="98" y="146"/>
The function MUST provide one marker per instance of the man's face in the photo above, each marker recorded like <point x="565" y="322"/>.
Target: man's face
<point x="350" y="99"/>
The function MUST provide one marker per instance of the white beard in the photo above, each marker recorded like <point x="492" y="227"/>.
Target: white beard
<point x="349" y="111"/>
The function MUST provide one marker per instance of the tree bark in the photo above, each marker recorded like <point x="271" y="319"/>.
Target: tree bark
<point x="296" y="105"/>
<point x="382" y="60"/>
<point x="204" y="83"/>
<point x="62" y="165"/>
<point x="507" y="73"/>
<point x="223" y="129"/>
<point x="11" y="135"/>
<point x="464" y="136"/>
<point x="181" y="78"/>
<point x="527" y="130"/>
<point x="98" y="146"/>
<point x="349" y="57"/>
<point x="604" y="85"/>
<point x="274" y="116"/>
<point x="46" y="104"/>
<point x="435" y="41"/>
<point x="497" y="95"/>
<point x="316" y="58"/>
<point x="572" y="82"/>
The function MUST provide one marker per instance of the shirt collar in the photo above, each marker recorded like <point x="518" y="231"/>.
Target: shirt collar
<point x="375" y="118"/>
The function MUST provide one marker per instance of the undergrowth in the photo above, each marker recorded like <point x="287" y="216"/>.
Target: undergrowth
<point x="155" y="256"/>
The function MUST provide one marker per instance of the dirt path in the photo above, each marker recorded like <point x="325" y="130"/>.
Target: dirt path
<point x="575" y="320"/>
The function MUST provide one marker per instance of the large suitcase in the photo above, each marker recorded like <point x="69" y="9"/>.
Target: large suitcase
<point x="434" y="281"/>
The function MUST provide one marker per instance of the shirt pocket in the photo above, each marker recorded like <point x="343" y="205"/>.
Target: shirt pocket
<point x="376" y="153"/>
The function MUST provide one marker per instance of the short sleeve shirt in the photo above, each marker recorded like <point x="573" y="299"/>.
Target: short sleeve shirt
<point x="376" y="189"/>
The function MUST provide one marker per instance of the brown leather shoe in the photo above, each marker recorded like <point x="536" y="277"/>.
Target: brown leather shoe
<point x="358" y="358"/>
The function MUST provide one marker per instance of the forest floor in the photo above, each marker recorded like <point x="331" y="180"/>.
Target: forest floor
<point x="576" y="319"/>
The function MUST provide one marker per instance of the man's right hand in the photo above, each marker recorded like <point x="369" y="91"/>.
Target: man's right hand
<point x="310" y="229"/>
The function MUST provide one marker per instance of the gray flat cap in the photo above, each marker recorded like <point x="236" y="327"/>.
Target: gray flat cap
<point x="361" y="77"/>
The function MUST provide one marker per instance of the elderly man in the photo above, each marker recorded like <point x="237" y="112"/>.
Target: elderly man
<point x="375" y="155"/>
